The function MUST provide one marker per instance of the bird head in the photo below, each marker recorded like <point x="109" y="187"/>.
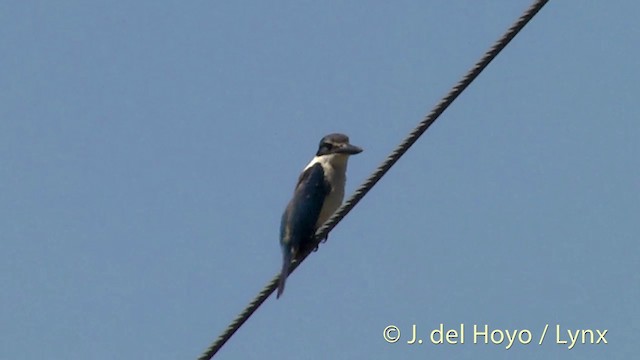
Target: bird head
<point x="337" y="144"/>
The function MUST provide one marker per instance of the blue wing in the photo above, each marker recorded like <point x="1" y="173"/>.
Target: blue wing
<point x="298" y="223"/>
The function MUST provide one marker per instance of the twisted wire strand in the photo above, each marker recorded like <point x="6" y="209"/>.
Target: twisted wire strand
<point x="395" y="155"/>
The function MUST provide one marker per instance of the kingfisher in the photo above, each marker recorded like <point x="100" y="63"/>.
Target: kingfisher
<point x="318" y="194"/>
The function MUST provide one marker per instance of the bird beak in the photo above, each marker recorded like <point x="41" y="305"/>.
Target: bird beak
<point x="349" y="149"/>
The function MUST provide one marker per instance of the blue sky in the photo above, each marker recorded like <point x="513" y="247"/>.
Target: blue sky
<point x="147" y="150"/>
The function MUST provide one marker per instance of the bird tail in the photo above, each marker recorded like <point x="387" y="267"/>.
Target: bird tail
<point x="286" y="262"/>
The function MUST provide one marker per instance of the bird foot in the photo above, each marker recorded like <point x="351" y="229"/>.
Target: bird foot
<point x="318" y="245"/>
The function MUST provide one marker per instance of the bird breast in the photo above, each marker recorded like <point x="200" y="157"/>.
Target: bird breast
<point x="335" y="174"/>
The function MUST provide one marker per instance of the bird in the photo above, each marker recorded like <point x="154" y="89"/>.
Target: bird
<point x="317" y="195"/>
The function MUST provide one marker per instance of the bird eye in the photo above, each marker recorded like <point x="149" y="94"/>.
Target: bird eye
<point x="325" y="148"/>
